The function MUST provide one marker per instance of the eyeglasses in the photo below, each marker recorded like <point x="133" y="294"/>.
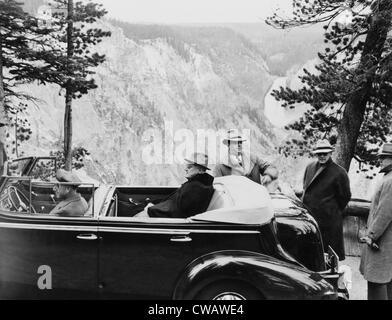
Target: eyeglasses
<point x="324" y="154"/>
<point x="239" y="144"/>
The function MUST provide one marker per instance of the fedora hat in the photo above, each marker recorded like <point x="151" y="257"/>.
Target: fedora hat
<point x="386" y="150"/>
<point x="323" y="146"/>
<point x="68" y="177"/>
<point x="199" y="159"/>
<point x="233" y="136"/>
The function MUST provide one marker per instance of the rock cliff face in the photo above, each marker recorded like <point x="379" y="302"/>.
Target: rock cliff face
<point x="196" y="78"/>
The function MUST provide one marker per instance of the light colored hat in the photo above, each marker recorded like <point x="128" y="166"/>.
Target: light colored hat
<point x="199" y="159"/>
<point x="386" y="150"/>
<point x="69" y="177"/>
<point x="323" y="146"/>
<point x="232" y="135"/>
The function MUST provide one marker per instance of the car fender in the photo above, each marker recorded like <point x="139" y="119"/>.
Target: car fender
<point x="272" y="278"/>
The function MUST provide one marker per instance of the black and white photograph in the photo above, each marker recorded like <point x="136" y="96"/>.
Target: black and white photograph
<point x="195" y="151"/>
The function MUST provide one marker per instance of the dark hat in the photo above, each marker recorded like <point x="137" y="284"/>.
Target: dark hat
<point x="233" y="136"/>
<point x="199" y="159"/>
<point x="386" y="150"/>
<point x="323" y="146"/>
<point x="68" y="177"/>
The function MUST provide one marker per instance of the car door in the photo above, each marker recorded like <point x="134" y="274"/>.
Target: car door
<point x="142" y="259"/>
<point x="43" y="256"/>
<point x="65" y="248"/>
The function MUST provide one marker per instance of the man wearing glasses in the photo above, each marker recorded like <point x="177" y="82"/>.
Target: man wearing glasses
<point x="243" y="164"/>
<point x="326" y="194"/>
<point x="193" y="197"/>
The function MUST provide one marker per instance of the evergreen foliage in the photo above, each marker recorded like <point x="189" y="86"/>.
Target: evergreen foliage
<point x="350" y="94"/>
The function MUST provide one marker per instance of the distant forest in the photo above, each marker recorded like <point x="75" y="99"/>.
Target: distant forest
<point x="281" y="49"/>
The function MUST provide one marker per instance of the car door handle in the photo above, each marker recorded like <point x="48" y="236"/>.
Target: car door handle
<point x="89" y="237"/>
<point x="181" y="239"/>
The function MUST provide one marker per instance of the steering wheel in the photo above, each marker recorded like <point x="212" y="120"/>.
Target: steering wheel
<point x="17" y="200"/>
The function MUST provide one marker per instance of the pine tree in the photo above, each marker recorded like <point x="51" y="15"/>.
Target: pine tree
<point x="20" y="37"/>
<point x="71" y="57"/>
<point x="351" y="92"/>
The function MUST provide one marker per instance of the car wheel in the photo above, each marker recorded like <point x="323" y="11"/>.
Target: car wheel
<point x="229" y="290"/>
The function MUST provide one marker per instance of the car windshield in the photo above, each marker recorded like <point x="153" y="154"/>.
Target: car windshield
<point x="22" y="195"/>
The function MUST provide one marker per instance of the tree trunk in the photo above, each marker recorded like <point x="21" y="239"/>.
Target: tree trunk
<point x="69" y="91"/>
<point x="353" y="115"/>
<point x="68" y="130"/>
<point x="3" y="114"/>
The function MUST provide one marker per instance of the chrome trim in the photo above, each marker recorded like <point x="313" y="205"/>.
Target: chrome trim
<point x="175" y="232"/>
<point x="47" y="227"/>
<point x="178" y="232"/>
<point x="88" y="237"/>
<point x="181" y="239"/>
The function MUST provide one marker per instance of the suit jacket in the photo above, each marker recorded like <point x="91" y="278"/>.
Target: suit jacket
<point x="376" y="266"/>
<point x="192" y="198"/>
<point x="253" y="168"/>
<point x="75" y="206"/>
<point x="326" y="194"/>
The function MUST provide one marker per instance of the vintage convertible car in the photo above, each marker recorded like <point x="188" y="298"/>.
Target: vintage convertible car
<point x="247" y="245"/>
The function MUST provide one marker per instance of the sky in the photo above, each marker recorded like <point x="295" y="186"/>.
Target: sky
<point x="193" y="11"/>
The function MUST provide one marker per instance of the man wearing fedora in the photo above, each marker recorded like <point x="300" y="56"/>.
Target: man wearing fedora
<point x="326" y="193"/>
<point x="376" y="260"/>
<point x="192" y="198"/>
<point x="243" y="164"/>
<point x="72" y="203"/>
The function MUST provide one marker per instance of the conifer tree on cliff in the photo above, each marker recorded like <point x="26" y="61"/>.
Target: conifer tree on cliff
<point x="351" y="91"/>
<point x="20" y="37"/>
<point x="74" y="34"/>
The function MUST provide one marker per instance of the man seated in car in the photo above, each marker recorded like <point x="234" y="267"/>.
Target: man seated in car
<point x="192" y="198"/>
<point x="72" y="203"/>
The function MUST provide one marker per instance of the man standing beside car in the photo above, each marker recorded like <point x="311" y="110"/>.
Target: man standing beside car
<point x="326" y="193"/>
<point x="243" y="164"/>
<point x="376" y="260"/>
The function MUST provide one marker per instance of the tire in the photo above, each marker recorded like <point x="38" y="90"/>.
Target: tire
<point x="229" y="290"/>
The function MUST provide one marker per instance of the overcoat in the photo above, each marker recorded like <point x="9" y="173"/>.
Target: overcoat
<point x="75" y="206"/>
<point x="192" y="198"/>
<point x="252" y="169"/>
<point x="3" y="158"/>
<point x="376" y="266"/>
<point x="326" y="194"/>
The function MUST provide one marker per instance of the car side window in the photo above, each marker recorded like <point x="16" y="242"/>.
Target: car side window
<point x="17" y="167"/>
